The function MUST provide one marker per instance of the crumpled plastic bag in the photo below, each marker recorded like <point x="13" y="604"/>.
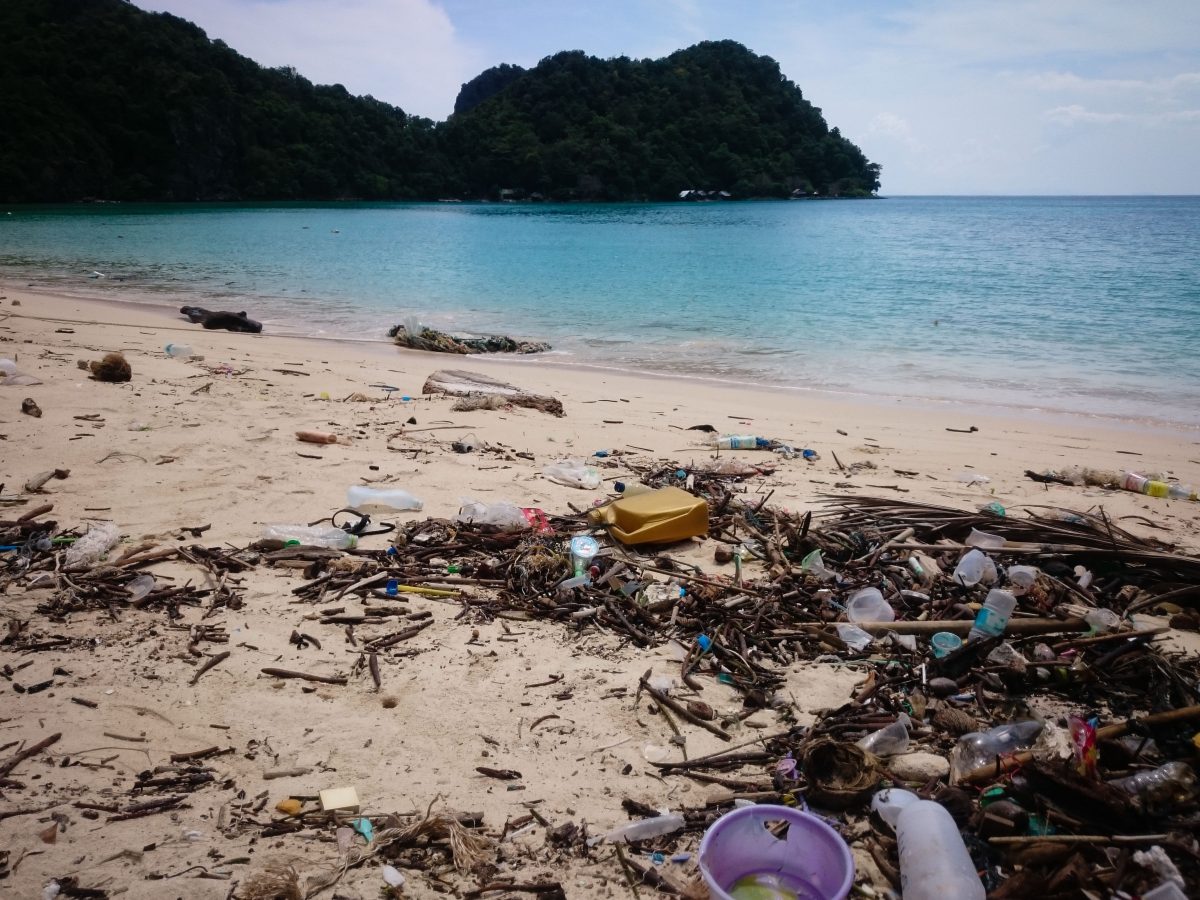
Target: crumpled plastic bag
<point x="573" y="473"/>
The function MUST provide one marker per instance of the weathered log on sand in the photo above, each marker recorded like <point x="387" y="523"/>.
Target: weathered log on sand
<point x="459" y="383"/>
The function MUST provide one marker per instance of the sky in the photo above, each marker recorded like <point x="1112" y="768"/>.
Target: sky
<point x="949" y="96"/>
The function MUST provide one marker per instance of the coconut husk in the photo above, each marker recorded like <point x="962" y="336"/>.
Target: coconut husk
<point x="114" y="368"/>
<point x="840" y="775"/>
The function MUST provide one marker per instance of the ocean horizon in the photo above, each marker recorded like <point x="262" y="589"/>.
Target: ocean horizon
<point x="1071" y="304"/>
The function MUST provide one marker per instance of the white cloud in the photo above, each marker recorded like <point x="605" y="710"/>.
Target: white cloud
<point x="890" y="125"/>
<point x="1070" y="82"/>
<point x="406" y="52"/>
<point x="1077" y="115"/>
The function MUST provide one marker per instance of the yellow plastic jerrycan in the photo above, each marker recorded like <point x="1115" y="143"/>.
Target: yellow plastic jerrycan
<point x="654" y="517"/>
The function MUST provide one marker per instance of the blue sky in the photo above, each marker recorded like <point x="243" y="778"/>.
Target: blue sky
<point x="950" y="96"/>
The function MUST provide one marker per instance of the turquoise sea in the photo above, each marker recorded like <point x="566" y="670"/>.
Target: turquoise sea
<point x="1087" y="305"/>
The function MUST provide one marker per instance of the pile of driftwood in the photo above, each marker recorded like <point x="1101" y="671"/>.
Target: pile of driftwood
<point x="439" y="342"/>
<point x="1058" y="817"/>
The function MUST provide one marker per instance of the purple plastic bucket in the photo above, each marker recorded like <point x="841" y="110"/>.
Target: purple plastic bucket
<point x="811" y="860"/>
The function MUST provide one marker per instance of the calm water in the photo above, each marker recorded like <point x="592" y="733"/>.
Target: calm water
<point x="1087" y="305"/>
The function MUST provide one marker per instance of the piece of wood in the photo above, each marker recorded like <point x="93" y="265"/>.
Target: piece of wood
<point x="305" y="676"/>
<point x="211" y="662"/>
<point x="295" y="772"/>
<point x="682" y="711"/>
<point x="317" y="437"/>
<point x="1101" y="839"/>
<point x="21" y="755"/>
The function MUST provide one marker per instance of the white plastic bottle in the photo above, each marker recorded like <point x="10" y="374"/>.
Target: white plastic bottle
<point x="181" y="351"/>
<point x="992" y="619"/>
<point x="631" y="488"/>
<point x="934" y="863"/>
<point x="312" y="536"/>
<point x="644" y="829"/>
<point x="361" y="495"/>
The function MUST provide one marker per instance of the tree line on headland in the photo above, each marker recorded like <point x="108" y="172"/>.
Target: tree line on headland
<point x="101" y="100"/>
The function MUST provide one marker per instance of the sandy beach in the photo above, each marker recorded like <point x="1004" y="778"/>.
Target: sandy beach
<point x="209" y="444"/>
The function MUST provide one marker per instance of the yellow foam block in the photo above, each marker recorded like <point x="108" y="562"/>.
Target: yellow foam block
<point x="345" y="798"/>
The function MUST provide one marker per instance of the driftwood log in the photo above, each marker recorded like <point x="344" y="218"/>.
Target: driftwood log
<point x="472" y="385"/>
<point x="440" y="342"/>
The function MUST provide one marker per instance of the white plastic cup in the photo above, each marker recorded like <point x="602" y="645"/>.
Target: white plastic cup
<point x="984" y="540"/>
<point x="944" y="643"/>
<point x="1102" y="620"/>
<point x="1021" y="578"/>
<point x="969" y="570"/>
<point x="868" y="605"/>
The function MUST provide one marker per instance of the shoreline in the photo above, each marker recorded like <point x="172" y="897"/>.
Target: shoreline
<point x="984" y="408"/>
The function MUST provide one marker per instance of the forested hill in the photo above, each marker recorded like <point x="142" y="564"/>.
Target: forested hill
<point x="101" y="100"/>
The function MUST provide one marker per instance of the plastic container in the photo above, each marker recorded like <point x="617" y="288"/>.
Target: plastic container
<point x="853" y="637"/>
<point x="1168" y="890"/>
<point x="573" y="473"/>
<point x="1021" y="579"/>
<point x="982" y="747"/>
<point x="583" y="550"/>
<point x="992" y="619"/>
<point x="890" y="802"/>
<point x="984" y="540"/>
<point x="311" y="536"/>
<point x="934" y="862"/>
<point x="740" y="858"/>
<point x="888" y="741"/>
<point x="179" y="351"/>
<point x="91" y="547"/>
<point x="970" y="569"/>
<point x="668" y="514"/>
<point x="944" y="643"/>
<point x="868" y="605"/>
<point x="8" y="367"/>
<point x="361" y="495"/>
<point x="741" y="442"/>
<point x="814" y="564"/>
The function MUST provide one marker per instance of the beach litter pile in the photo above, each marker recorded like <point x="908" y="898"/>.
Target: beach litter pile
<point x="1017" y="728"/>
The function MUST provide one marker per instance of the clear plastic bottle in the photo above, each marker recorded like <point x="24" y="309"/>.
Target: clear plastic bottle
<point x="742" y="442"/>
<point x="180" y="351"/>
<point x="1142" y="484"/>
<point x="1161" y="789"/>
<point x="992" y="619"/>
<point x="311" y="536"/>
<point x="361" y="495"/>
<point x="982" y="747"/>
<point x="934" y="862"/>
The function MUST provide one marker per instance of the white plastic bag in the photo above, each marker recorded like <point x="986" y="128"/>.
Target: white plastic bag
<point x="505" y="516"/>
<point x="88" y="550"/>
<point x="573" y="473"/>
